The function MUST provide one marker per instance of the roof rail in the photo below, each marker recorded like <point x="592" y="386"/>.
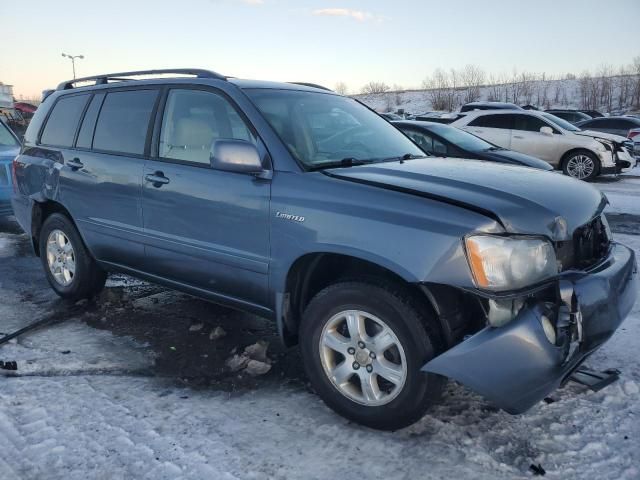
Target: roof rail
<point x="313" y="85"/>
<point x="104" y="79"/>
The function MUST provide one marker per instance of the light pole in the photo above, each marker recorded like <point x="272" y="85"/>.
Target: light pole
<point x="73" y="61"/>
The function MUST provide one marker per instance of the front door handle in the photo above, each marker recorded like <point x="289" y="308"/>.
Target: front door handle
<point x="158" y="179"/>
<point x="75" y="164"/>
<point x="518" y="137"/>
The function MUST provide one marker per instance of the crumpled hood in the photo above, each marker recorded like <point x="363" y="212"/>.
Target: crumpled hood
<point x="605" y="136"/>
<point x="523" y="200"/>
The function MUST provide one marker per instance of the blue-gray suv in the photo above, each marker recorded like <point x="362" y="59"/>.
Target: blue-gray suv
<point x="391" y="269"/>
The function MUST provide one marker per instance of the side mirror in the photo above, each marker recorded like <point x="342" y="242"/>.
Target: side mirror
<point x="235" y="156"/>
<point x="546" y="130"/>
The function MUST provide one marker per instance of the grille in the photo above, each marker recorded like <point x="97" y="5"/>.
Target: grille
<point x="589" y="244"/>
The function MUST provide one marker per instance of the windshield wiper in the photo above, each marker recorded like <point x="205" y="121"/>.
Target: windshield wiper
<point x="344" y="163"/>
<point x="406" y="156"/>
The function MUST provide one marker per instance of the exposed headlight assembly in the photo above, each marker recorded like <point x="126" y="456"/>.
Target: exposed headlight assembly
<point x="509" y="263"/>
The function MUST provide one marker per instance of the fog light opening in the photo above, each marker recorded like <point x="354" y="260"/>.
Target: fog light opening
<point x="549" y="329"/>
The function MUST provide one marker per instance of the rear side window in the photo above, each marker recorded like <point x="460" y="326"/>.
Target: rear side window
<point x="123" y="122"/>
<point x="63" y="122"/>
<point x="85" y="137"/>
<point x="493" y="121"/>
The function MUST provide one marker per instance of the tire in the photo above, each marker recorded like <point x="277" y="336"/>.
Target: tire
<point x="74" y="274"/>
<point x="403" y="402"/>
<point x="589" y="161"/>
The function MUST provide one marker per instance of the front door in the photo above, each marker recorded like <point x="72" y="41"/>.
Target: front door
<point x="205" y="228"/>
<point x="527" y="138"/>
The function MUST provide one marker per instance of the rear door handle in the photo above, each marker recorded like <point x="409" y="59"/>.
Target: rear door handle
<point x="518" y="137"/>
<point x="75" y="164"/>
<point x="158" y="179"/>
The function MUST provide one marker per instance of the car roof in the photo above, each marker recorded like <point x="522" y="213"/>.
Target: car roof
<point x="194" y="76"/>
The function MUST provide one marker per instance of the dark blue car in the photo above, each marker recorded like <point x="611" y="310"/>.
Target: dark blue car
<point x="9" y="148"/>
<point x="446" y="141"/>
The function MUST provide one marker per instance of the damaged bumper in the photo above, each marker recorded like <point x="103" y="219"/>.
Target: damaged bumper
<point x="516" y="365"/>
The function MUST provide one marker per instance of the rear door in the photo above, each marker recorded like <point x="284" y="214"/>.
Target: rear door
<point x="527" y="138"/>
<point x="493" y="127"/>
<point x="205" y="228"/>
<point x="101" y="180"/>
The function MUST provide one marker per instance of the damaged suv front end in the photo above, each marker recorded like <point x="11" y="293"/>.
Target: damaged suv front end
<point x="548" y="305"/>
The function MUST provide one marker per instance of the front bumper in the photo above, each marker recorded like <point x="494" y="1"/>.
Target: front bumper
<point x="515" y="366"/>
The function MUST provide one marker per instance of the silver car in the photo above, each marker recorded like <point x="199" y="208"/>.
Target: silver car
<point x="579" y="154"/>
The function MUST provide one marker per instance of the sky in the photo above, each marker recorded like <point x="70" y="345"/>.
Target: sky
<point x="399" y="42"/>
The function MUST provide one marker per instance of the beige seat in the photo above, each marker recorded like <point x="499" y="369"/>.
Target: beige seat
<point x="191" y="140"/>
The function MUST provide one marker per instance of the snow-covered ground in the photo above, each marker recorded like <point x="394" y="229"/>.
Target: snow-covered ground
<point x="88" y="403"/>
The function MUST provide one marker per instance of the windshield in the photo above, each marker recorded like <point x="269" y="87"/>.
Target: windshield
<point x="561" y="123"/>
<point x="461" y="139"/>
<point x="322" y="129"/>
<point x="6" y="138"/>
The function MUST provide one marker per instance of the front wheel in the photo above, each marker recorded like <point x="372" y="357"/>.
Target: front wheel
<point x="582" y="165"/>
<point x="363" y="345"/>
<point x="70" y="269"/>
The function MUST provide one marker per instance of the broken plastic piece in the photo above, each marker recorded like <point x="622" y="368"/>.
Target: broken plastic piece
<point x="596" y="381"/>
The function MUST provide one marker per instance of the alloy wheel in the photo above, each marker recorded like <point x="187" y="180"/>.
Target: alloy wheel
<point x="61" y="257"/>
<point x="580" y="166"/>
<point x="363" y="358"/>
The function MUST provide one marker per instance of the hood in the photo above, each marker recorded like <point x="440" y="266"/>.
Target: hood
<point x="606" y="136"/>
<point x="509" y="156"/>
<point x="523" y="200"/>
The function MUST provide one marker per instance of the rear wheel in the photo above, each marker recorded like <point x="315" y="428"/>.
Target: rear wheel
<point x="363" y="345"/>
<point x="582" y="165"/>
<point x="70" y="269"/>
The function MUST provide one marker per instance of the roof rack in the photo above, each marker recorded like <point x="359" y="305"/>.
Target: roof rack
<point x="104" y="79"/>
<point x="313" y="85"/>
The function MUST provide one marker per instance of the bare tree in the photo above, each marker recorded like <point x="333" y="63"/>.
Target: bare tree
<point x="375" y="87"/>
<point x="341" y="88"/>
<point x="473" y="77"/>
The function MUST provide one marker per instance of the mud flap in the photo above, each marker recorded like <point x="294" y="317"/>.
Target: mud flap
<point x="514" y="366"/>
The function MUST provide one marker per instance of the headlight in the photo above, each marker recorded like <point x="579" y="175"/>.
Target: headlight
<point x="509" y="263"/>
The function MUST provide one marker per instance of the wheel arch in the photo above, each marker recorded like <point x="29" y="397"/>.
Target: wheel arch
<point x="40" y="211"/>
<point x="312" y="272"/>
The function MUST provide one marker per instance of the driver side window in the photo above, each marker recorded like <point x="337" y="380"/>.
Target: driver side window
<point x="193" y="119"/>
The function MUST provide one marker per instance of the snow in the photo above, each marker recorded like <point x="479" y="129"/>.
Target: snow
<point x="623" y="192"/>
<point x="84" y="404"/>
<point x="419" y="101"/>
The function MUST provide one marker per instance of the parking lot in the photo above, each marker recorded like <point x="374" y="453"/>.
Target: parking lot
<point x="138" y="383"/>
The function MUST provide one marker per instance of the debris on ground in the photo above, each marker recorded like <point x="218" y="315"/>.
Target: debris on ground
<point x="258" y="351"/>
<point x="537" y="469"/>
<point x="9" y="365"/>
<point x="217" y="333"/>
<point x="196" y="327"/>
<point x="253" y="360"/>
<point x="237" y="362"/>
<point x="256" y="367"/>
